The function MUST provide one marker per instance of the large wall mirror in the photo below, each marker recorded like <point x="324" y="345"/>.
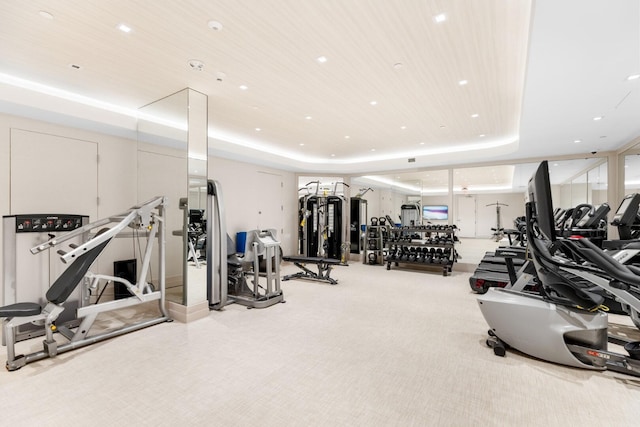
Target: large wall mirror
<point x="172" y="161"/>
<point x="631" y="162"/>
<point x="481" y="198"/>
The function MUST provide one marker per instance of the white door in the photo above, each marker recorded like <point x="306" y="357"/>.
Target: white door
<point x="466" y="215"/>
<point x="269" y="207"/>
<point x="53" y="174"/>
<point x="49" y="175"/>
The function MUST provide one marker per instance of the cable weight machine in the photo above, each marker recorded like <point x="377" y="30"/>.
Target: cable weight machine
<point x="322" y="223"/>
<point x="498" y="231"/>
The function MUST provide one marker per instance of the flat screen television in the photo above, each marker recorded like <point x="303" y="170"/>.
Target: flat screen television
<point x="540" y="195"/>
<point x="435" y="212"/>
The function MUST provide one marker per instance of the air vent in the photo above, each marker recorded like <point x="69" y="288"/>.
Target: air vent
<point x="412" y="160"/>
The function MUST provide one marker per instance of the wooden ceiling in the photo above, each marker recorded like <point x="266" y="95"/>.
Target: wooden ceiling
<point x="317" y="117"/>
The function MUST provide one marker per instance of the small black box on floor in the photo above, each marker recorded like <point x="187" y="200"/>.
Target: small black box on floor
<point x="125" y="269"/>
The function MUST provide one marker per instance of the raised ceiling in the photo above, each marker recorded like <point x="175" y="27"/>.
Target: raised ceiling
<point x="536" y="74"/>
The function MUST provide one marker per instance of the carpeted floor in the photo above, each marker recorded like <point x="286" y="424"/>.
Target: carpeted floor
<point x="381" y="348"/>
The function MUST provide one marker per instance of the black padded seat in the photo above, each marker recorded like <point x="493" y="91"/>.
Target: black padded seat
<point x="62" y="287"/>
<point x="21" y="309"/>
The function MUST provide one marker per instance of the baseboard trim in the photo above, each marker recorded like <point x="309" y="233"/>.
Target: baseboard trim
<point x="186" y="314"/>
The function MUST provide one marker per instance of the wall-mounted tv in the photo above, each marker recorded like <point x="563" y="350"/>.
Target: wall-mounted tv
<point x="435" y="212"/>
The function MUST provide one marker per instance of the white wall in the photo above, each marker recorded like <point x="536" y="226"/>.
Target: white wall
<point x="117" y="185"/>
<point x="243" y="185"/>
<point x="116" y="177"/>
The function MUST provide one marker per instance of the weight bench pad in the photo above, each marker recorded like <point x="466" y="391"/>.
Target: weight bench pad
<point x="311" y="260"/>
<point x="324" y="268"/>
<point x="21" y="309"/>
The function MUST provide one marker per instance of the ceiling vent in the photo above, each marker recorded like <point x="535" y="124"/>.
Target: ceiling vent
<point x="412" y="160"/>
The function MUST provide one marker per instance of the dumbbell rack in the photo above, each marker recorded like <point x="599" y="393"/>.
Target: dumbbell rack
<point x="374" y="245"/>
<point x="431" y="246"/>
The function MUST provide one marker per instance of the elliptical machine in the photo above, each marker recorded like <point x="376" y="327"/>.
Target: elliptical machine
<point x="564" y="323"/>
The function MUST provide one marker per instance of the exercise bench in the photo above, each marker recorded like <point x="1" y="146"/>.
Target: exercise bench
<point x="324" y="268"/>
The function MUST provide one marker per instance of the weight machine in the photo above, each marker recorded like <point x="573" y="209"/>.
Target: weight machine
<point x="145" y="220"/>
<point x="321" y="224"/>
<point x="410" y="215"/>
<point x="498" y="232"/>
<point x="227" y="273"/>
<point x="358" y="221"/>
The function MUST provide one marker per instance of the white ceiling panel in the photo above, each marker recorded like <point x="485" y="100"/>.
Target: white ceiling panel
<point x="536" y="74"/>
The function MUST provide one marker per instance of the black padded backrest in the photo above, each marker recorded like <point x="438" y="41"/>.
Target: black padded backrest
<point x="69" y="279"/>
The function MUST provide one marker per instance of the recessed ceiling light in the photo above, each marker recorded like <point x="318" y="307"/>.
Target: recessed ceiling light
<point x="475" y="115"/>
<point x="215" y="25"/>
<point x="555" y="164"/>
<point x="598" y="118"/>
<point x="347" y="137"/>
<point x="482" y="135"/>
<point x="301" y="144"/>
<point x="603" y="136"/>
<point x="333" y="155"/>
<point x="403" y="127"/>
<point x="258" y="129"/>
<point x="124" y="28"/>
<point x="442" y="126"/>
<point x="196" y="64"/>
<point x="308" y="117"/>
<point x="422" y="143"/>
<point x="441" y="17"/>
<point x="397" y="65"/>
<point x="463" y="82"/>
<point x="45" y="14"/>
<point x="374" y="103"/>
<point x="577" y="141"/>
<point x="243" y="87"/>
<point x="633" y="77"/>
<point x="373" y="149"/>
<point x="321" y="59"/>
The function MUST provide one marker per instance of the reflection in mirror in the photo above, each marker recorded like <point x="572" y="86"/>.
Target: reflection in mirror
<point x="632" y="173"/>
<point x="172" y="161"/>
<point x="563" y="175"/>
<point x="162" y="170"/>
<point x="486" y="202"/>
<point x="476" y="194"/>
<point x="197" y="146"/>
<point x="598" y="184"/>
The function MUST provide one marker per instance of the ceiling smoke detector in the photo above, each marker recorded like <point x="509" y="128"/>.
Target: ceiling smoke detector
<point x="215" y="25"/>
<point x="196" y="64"/>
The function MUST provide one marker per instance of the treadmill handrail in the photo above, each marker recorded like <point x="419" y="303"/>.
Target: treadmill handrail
<point x="602" y="263"/>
